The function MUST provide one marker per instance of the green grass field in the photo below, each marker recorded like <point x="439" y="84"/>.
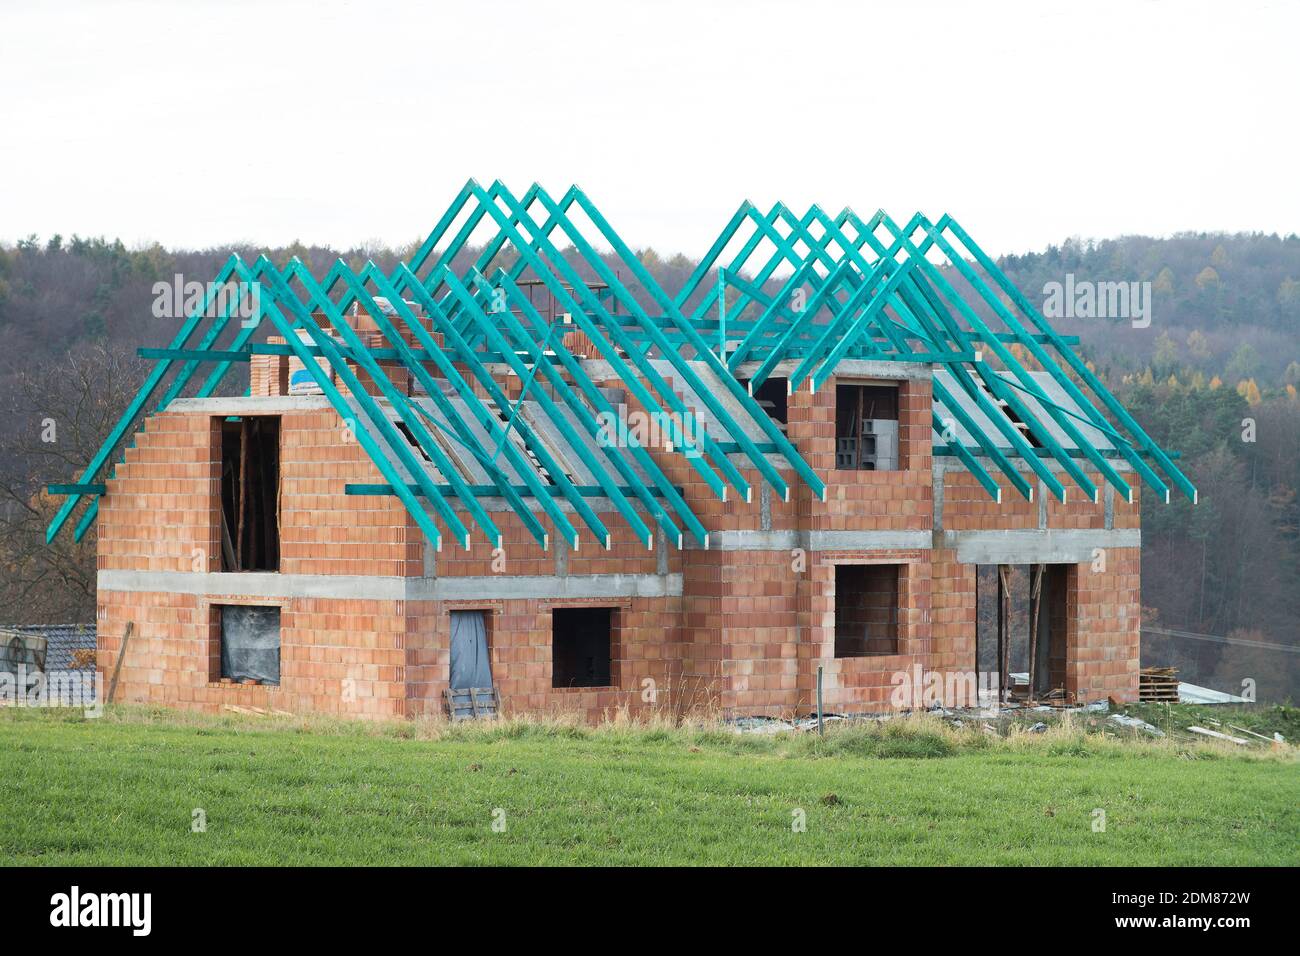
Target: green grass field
<point x="123" y="790"/>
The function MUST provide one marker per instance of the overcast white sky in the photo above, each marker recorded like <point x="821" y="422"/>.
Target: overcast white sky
<point x="202" y="123"/>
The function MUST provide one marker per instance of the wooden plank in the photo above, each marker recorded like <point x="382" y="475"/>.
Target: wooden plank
<point x="254" y="500"/>
<point x="1004" y="624"/>
<point x="227" y="546"/>
<point x="241" y="502"/>
<point x="121" y="656"/>
<point x="1241" y="741"/>
<point x="1034" y="608"/>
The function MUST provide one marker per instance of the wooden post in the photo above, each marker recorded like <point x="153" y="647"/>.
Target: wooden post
<point x="255" y="517"/>
<point x="857" y="429"/>
<point x="1004" y="639"/>
<point x="117" y="665"/>
<point x="821" y="728"/>
<point x="1034" y="607"/>
<point x="242" y="503"/>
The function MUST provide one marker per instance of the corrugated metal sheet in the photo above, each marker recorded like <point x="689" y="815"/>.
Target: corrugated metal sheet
<point x="1049" y="387"/>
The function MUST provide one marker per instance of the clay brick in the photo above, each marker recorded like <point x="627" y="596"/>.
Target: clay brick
<point x="746" y="636"/>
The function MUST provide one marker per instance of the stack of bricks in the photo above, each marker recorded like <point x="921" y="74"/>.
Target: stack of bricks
<point x="395" y="371"/>
<point x="579" y="343"/>
<point x="269" y="374"/>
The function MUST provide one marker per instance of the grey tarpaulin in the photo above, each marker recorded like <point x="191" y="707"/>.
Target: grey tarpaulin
<point x="469" y="653"/>
<point x="250" y="643"/>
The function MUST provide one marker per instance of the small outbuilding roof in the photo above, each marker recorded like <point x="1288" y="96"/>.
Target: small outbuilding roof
<point x="54" y="646"/>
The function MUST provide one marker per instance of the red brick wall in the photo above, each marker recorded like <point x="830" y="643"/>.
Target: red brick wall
<point x="336" y="656"/>
<point x="741" y="621"/>
<point x="644" y="647"/>
<point x="1103" y="627"/>
<point x="322" y="529"/>
<point x="967" y="506"/>
<point x="746" y="636"/>
<point x="866" y="500"/>
<point x="160" y="511"/>
<point x="864" y="683"/>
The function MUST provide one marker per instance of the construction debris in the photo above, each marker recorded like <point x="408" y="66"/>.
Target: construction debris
<point x="1276" y="738"/>
<point x="469" y="703"/>
<point x="1194" y="694"/>
<point x="1242" y="741"/>
<point x="1124" y="720"/>
<point x="255" y="711"/>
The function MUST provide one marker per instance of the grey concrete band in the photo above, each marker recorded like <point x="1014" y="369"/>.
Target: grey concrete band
<point x="391" y="588"/>
<point x="1034" y="547"/>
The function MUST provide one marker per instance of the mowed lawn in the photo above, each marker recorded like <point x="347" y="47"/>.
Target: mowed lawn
<point x="124" y="790"/>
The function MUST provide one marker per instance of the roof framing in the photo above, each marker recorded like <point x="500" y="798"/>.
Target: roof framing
<point x="867" y="298"/>
<point x="851" y="292"/>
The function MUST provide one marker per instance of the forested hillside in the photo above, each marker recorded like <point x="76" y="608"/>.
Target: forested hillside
<point x="1223" y="305"/>
<point x="1213" y="376"/>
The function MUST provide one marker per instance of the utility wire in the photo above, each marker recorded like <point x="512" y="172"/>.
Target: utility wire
<point x="1219" y="639"/>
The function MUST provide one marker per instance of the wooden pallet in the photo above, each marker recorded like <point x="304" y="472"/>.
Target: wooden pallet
<point x="472" y="703"/>
<point x="1158" y="684"/>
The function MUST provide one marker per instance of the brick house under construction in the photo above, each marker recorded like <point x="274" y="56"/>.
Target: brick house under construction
<point x="522" y="464"/>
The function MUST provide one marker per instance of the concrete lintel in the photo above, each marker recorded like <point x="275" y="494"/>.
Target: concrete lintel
<point x="543" y="586"/>
<point x="251" y="404"/>
<point x="1034" y="547"/>
<point x="869" y="540"/>
<point x="851" y="368"/>
<point x="818" y="540"/>
<point x="392" y="588"/>
<point x="259" y="584"/>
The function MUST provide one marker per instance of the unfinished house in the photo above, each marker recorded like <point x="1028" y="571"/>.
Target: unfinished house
<point x="516" y="474"/>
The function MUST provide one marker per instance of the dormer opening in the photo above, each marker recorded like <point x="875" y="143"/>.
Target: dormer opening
<point x="866" y="427"/>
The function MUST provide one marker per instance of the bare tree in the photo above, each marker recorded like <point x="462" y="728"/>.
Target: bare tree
<point x="55" y="418"/>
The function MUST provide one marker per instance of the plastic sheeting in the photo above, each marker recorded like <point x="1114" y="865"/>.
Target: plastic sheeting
<point x="470" y="666"/>
<point x="250" y="643"/>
